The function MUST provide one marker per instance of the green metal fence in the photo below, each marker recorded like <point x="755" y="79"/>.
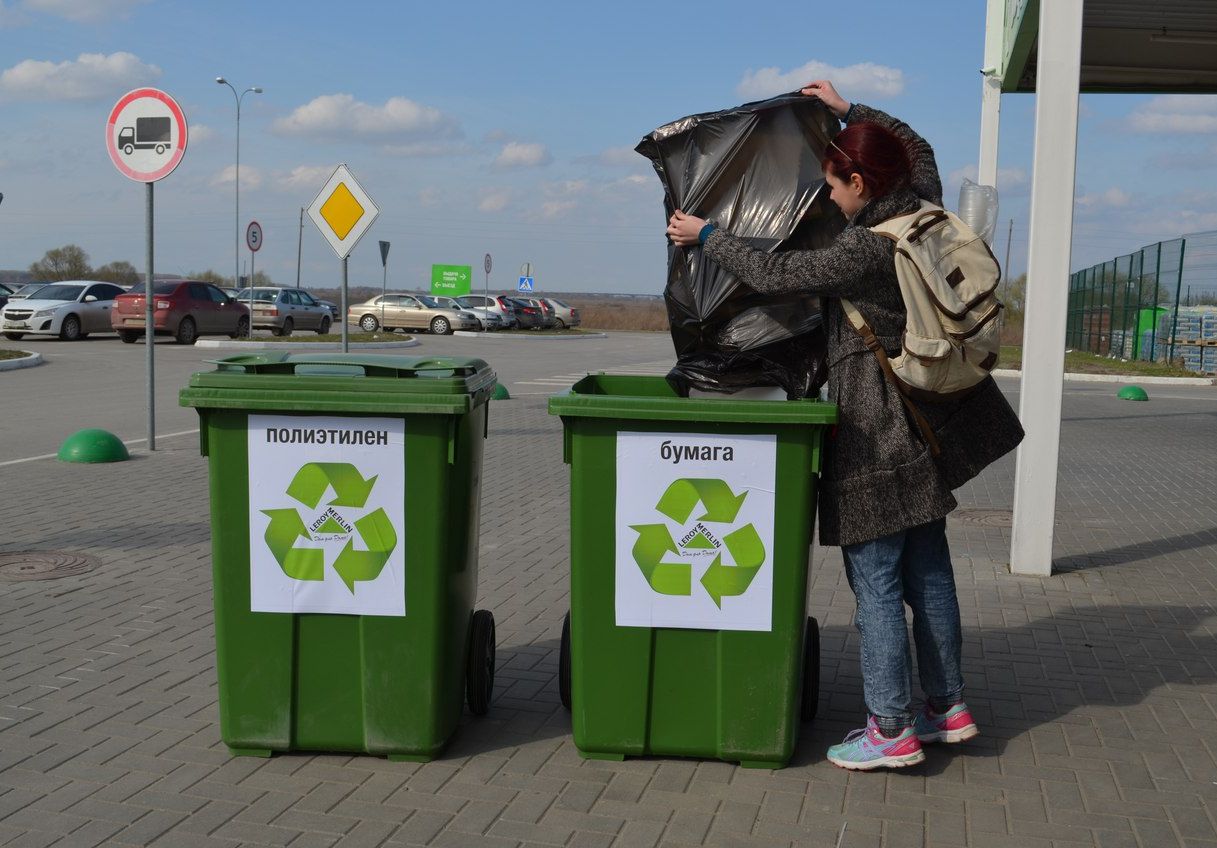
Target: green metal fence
<point x="1158" y="304"/>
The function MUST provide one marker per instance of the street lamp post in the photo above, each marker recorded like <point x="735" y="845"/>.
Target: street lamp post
<point x="236" y="273"/>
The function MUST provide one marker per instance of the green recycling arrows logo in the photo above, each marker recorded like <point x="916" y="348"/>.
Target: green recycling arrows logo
<point x="351" y="491"/>
<point x="678" y="503"/>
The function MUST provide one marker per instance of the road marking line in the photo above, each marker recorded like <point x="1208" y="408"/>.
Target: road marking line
<point x="125" y="442"/>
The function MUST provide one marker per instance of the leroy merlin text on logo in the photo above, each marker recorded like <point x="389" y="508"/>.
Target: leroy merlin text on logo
<point x="375" y="529"/>
<point x="678" y="503"/>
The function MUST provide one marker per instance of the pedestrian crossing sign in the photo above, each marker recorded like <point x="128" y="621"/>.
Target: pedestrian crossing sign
<point x="525" y="284"/>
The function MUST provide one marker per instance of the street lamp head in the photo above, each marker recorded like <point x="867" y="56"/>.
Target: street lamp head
<point x="256" y="90"/>
<point x="221" y="80"/>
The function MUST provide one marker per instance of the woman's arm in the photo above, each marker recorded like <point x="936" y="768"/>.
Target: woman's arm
<point x="843" y="269"/>
<point x="924" y="177"/>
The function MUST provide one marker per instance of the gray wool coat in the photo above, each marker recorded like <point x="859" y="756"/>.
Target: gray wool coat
<point x="879" y="477"/>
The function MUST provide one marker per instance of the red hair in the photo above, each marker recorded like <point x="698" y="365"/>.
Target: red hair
<point x="873" y="151"/>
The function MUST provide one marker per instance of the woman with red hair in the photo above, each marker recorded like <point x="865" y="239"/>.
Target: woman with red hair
<point x="884" y="494"/>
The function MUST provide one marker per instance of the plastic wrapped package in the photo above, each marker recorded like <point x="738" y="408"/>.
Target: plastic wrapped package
<point x="978" y="208"/>
<point x="754" y="170"/>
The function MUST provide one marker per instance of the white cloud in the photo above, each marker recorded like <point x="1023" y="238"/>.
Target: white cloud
<point x="565" y="188"/>
<point x="554" y="208"/>
<point x="84" y="11"/>
<point x="495" y="201"/>
<point x="91" y="76"/>
<point x="250" y="177"/>
<point x="1112" y="198"/>
<point x="516" y="154"/>
<point x="1176" y="113"/>
<point x="618" y="157"/>
<point x="200" y="133"/>
<point x="303" y="178"/>
<point x="341" y="116"/>
<point x="854" y="81"/>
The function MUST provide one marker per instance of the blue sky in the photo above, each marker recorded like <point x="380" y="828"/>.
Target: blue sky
<point x="508" y="128"/>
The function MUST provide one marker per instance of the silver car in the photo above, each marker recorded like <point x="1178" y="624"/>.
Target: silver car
<point x="70" y="310"/>
<point x="282" y="310"/>
<point x="485" y="321"/>
<point x="408" y="312"/>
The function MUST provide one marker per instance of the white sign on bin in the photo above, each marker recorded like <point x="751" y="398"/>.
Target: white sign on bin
<point x="694" y="530"/>
<point x="327" y="529"/>
<point x="343" y="211"/>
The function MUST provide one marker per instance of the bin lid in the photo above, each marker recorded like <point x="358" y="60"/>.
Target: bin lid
<point x="653" y="399"/>
<point x="334" y="382"/>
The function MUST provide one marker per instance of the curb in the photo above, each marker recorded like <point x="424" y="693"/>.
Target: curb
<point x="28" y="361"/>
<point x="470" y="334"/>
<point x="1120" y="378"/>
<point x="229" y="344"/>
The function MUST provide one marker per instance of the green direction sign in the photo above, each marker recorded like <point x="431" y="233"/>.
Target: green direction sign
<point x="678" y="503"/>
<point x="351" y="491"/>
<point x="451" y="280"/>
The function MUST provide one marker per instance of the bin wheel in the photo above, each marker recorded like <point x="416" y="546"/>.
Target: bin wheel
<point x="564" y="664"/>
<point x="479" y="672"/>
<point x="811" y="671"/>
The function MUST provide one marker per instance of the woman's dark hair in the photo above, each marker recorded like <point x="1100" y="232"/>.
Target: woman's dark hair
<point x="873" y="151"/>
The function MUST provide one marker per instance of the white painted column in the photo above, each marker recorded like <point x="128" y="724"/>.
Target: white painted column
<point x="990" y="93"/>
<point x="1058" y="67"/>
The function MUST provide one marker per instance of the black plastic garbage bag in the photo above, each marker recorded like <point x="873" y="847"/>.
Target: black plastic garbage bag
<point x="754" y="170"/>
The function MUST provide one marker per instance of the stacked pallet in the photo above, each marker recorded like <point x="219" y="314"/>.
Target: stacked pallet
<point x="1195" y="337"/>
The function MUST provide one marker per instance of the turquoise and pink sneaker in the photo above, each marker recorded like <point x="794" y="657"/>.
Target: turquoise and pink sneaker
<point x="955" y="725"/>
<point x="867" y="748"/>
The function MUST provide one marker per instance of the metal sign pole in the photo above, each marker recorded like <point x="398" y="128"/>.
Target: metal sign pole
<point x="299" y="246"/>
<point x="149" y="327"/>
<point x="251" y="270"/>
<point x="345" y="329"/>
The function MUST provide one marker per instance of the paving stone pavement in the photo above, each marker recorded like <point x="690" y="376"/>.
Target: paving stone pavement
<point x="1096" y="688"/>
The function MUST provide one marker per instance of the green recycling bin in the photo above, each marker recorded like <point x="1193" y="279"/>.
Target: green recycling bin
<point x="690" y="531"/>
<point x="344" y="509"/>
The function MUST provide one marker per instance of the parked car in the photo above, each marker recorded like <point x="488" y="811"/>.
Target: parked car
<point x="25" y="291"/>
<point x="548" y="320"/>
<point x="184" y="309"/>
<point x="493" y="322"/>
<point x="335" y="311"/>
<point x="477" y="303"/>
<point x="492" y="317"/>
<point x="529" y="317"/>
<point x="408" y="312"/>
<point x="5" y="291"/>
<point x="565" y="315"/>
<point x="70" y="310"/>
<point x="282" y="310"/>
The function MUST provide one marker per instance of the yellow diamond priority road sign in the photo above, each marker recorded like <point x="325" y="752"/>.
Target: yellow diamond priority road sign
<point x="342" y="211"/>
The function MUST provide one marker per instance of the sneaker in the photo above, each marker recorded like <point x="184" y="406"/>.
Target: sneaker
<point x="867" y="748"/>
<point x="955" y="725"/>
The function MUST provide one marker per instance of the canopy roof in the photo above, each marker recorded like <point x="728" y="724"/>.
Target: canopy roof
<point x="1132" y="46"/>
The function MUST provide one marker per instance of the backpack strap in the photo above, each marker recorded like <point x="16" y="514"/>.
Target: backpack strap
<point x="872" y="343"/>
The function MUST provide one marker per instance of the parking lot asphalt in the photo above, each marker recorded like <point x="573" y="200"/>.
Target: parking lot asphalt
<point x="1095" y="688"/>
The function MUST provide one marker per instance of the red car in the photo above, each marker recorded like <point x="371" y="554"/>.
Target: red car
<point x="184" y="309"/>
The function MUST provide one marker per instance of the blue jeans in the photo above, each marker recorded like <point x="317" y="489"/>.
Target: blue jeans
<point x="910" y="567"/>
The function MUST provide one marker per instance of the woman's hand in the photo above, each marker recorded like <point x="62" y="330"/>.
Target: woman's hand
<point x="824" y="90"/>
<point x="684" y="229"/>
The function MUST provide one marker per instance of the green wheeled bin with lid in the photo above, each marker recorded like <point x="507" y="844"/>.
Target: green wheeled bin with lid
<point x="690" y="533"/>
<point x="344" y="508"/>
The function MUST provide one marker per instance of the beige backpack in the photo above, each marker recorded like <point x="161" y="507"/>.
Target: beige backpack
<point x="948" y="278"/>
